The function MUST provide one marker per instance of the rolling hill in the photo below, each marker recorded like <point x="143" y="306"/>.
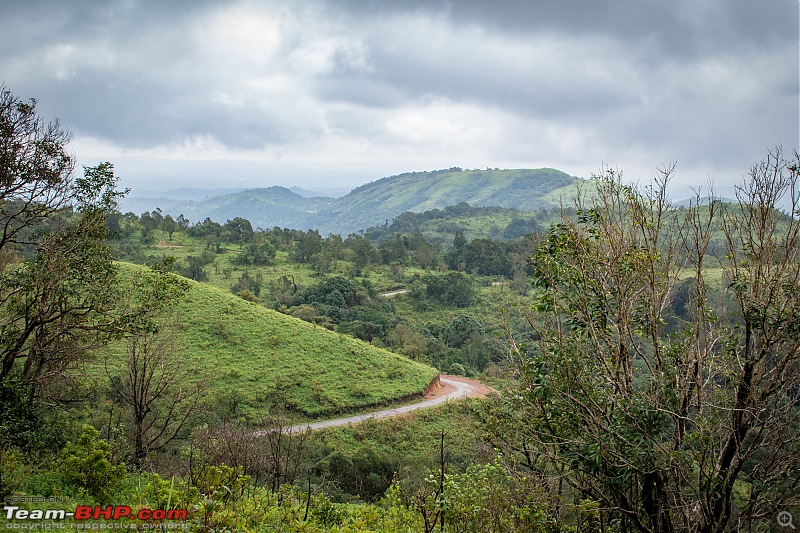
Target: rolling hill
<point x="248" y="354"/>
<point x="375" y="203"/>
<point x="378" y="202"/>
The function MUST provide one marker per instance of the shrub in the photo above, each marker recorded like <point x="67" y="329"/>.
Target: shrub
<point x="87" y="465"/>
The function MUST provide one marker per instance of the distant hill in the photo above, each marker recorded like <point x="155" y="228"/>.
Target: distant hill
<point x="332" y="192"/>
<point x="250" y="353"/>
<point x="379" y="202"/>
<point x="264" y="208"/>
<point x="375" y="203"/>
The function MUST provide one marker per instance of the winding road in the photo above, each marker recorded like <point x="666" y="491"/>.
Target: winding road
<point x="461" y="390"/>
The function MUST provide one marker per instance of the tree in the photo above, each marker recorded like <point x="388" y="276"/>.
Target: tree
<point x="169" y="225"/>
<point x="364" y="253"/>
<point x="57" y="279"/>
<point x="453" y="288"/>
<point x="670" y="424"/>
<point x="307" y="245"/>
<point x="155" y="383"/>
<point x="238" y="230"/>
<point x="55" y="301"/>
<point x="35" y="169"/>
<point x="148" y="223"/>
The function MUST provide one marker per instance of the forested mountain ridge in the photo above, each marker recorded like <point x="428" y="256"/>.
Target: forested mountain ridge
<point x="375" y="203"/>
<point x="380" y="201"/>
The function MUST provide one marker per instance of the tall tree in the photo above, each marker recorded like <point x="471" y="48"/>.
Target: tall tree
<point x="666" y="423"/>
<point x="56" y="274"/>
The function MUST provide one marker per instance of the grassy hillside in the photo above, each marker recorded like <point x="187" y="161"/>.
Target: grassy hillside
<point x="374" y="203"/>
<point x="249" y="354"/>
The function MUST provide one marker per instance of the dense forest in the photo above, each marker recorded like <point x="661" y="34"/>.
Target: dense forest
<point x="646" y="358"/>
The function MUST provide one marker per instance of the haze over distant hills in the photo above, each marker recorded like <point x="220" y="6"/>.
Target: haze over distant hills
<point x="372" y="204"/>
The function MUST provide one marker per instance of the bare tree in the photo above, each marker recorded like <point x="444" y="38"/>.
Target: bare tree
<point x="285" y="446"/>
<point x="156" y="384"/>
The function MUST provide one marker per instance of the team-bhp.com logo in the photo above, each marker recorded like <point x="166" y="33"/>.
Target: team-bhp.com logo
<point x="88" y="512"/>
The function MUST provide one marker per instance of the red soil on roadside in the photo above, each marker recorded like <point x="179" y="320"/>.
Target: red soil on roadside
<point x="480" y="391"/>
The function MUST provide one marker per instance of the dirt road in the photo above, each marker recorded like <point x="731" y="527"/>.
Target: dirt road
<point x="453" y="388"/>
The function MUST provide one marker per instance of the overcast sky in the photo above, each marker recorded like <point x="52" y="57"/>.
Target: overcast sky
<point x="337" y="93"/>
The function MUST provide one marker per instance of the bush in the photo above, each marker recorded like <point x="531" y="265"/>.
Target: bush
<point x="87" y="465"/>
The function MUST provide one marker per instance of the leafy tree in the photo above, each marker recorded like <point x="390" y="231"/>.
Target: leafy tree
<point x="459" y="240"/>
<point x="461" y="330"/>
<point x="453" y="288"/>
<point x="148" y="223"/>
<point x="57" y="304"/>
<point x="183" y="222"/>
<point x="195" y="266"/>
<point x="364" y="253"/>
<point x="309" y="244"/>
<point x="283" y="290"/>
<point x="169" y="225"/>
<point x="258" y="252"/>
<point x="393" y="250"/>
<point x="238" y="230"/>
<point x="691" y="430"/>
<point x="485" y="257"/>
<point x="248" y="283"/>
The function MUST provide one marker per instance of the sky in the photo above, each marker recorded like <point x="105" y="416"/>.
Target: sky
<point x="332" y="94"/>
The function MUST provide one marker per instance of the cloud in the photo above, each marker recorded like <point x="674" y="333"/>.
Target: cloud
<point x="385" y="87"/>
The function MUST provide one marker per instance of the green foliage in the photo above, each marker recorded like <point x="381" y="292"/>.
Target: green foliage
<point x="57" y="303"/>
<point x="13" y="471"/>
<point x="87" y="464"/>
<point x="451" y="289"/>
<point x="651" y="411"/>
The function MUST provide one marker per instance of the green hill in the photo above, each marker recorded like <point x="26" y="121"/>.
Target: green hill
<point x="380" y="201"/>
<point x="375" y="203"/>
<point x="249" y="353"/>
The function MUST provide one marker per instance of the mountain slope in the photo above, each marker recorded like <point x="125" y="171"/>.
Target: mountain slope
<point x="374" y="203"/>
<point x="251" y="354"/>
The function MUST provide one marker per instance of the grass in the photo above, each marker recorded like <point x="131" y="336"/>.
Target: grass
<point x="414" y="435"/>
<point x="249" y="355"/>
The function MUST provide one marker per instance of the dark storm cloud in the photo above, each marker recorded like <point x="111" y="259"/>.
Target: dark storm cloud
<point x="712" y="83"/>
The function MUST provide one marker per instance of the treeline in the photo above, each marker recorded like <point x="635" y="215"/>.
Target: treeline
<point x="521" y="224"/>
<point x="483" y="256"/>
